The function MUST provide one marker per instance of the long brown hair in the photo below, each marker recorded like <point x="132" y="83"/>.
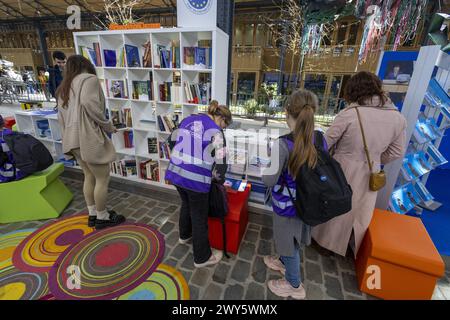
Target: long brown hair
<point x="215" y="109"/>
<point x="75" y="65"/>
<point x="301" y="106"/>
<point x="362" y="87"/>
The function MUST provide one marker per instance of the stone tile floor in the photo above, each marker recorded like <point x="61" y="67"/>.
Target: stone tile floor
<point x="243" y="276"/>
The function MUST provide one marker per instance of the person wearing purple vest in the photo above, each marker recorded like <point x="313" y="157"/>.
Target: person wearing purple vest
<point x="198" y="158"/>
<point x="291" y="152"/>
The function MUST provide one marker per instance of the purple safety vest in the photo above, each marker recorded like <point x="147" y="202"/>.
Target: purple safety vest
<point x="188" y="168"/>
<point x="281" y="201"/>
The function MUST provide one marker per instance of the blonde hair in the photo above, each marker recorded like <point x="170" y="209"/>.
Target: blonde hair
<point x="301" y="106"/>
<point x="215" y="109"/>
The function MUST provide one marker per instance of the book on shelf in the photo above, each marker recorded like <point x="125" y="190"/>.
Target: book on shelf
<point x="128" y="138"/>
<point x="117" y="118"/>
<point x="149" y="170"/>
<point x="142" y="90"/>
<point x="133" y="59"/>
<point x="147" y="57"/>
<point x="128" y="120"/>
<point x="197" y="57"/>
<point x="198" y="93"/>
<point x="124" y="167"/>
<point x="164" y="150"/>
<point x="167" y="123"/>
<point x="165" y="93"/>
<point x="117" y="88"/>
<point x="114" y="58"/>
<point x="152" y="145"/>
<point x="92" y="54"/>
<point x="167" y="57"/>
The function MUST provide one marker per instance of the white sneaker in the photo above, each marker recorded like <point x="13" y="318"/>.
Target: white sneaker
<point x="184" y="241"/>
<point x="274" y="263"/>
<point x="282" y="288"/>
<point x="215" y="258"/>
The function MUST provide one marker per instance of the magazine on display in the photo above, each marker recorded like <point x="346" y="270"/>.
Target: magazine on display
<point x="436" y="97"/>
<point x="423" y="192"/>
<point x="404" y="199"/>
<point x="416" y="165"/>
<point x="426" y="130"/>
<point x="117" y="89"/>
<point x="133" y="60"/>
<point x="435" y="156"/>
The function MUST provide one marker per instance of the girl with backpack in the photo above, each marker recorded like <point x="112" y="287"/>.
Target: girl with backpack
<point x="289" y="153"/>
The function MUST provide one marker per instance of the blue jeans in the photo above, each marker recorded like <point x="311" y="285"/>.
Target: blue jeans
<point x="292" y="265"/>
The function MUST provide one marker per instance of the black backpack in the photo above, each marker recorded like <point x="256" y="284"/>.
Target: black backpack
<point x="29" y="154"/>
<point x="323" y="193"/>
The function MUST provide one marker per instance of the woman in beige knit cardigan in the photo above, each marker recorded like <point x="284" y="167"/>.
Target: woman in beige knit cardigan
<point x="85" y="129"/>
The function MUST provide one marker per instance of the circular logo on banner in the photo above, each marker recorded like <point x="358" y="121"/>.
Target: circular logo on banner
<point x="199" y="6"/>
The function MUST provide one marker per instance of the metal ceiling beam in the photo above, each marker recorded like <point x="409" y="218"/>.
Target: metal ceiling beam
<point x="8" y="13"/>
<point x="13" y="9"/>
<point x="36" y="8"/>
<point x="45" y="7"/>
<point x="86" y="15"/>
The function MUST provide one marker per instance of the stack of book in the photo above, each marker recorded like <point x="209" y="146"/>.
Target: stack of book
<point x="147" y="57"/>
<point x="152" y="144"/>
<point x="199" y="93"/>
<point x="164" y="150"/>
<point x="124" y="168"/>
<point x="93" y="54"/>
<point x="167" y="57"/>
<point x="128" y="139"/>
<point x="142" y="90"/>
<point x="114" y="58"/>
<point x="166" y="123"/>
<point x="133" y="59"/>
<point x="149" y="170"/>
<point x="197" y="57"/>
<point x="117" y="88"/>
<point x="165" y="91"/>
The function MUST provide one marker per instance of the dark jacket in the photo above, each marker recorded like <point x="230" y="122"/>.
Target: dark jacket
<point x="54" y="80"/>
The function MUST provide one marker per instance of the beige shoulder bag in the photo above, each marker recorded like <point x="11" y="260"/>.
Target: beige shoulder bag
<point x="377" y="180"/>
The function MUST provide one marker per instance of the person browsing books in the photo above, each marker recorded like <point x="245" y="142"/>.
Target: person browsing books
<point x="56" y="72"/>
<point x="371" y="117"/>
<point x="198" y="157"/>
<point x="288" y="154"/>
<point x="85" y="129"/>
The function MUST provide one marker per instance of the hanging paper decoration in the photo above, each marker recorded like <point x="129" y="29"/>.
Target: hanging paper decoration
<point x="399" y="18"/>
<point x="312" y="38"/>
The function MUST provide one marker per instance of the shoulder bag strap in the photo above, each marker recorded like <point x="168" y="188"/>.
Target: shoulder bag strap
<point x="364" y="140"/>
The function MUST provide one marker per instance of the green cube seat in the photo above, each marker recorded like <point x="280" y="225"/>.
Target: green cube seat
<point x="39" y="196"/>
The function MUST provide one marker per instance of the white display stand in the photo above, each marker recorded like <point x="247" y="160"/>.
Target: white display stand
<point x="431" y="63"/>
<point x="197" y="13"/>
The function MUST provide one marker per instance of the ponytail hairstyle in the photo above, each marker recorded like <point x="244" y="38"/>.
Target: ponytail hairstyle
<point x="215" y="109"/>
<point x="301" y="106"/>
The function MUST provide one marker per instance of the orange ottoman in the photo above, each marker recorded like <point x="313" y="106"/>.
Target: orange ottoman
<point x="397" y="259"/>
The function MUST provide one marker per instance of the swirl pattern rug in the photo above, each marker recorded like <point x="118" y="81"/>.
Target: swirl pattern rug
<point x="110" y="263"/>
<point x="21" y="285"/>
<point x="166" y="283"/>
<point x="39" y="251"/>
<point x="8" y="243"/>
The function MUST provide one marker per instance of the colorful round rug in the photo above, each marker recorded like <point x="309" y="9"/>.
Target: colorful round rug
<point x="108" y="263"/>
<point x="8" y="243"/>
<point x="166" y="283"/>
<point x="39" y="251"/>
<point x="21" y="285"/>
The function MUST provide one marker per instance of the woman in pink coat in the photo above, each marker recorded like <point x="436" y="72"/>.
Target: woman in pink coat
<point x="385" y="130"/>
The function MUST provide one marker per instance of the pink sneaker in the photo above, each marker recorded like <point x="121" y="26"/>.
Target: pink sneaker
<point x="282" y="288"/>
<point x="274" y="263"/>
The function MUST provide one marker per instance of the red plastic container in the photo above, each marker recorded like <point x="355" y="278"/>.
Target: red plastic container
<point x="236" y="221"/>
<point x="9" y="122"/>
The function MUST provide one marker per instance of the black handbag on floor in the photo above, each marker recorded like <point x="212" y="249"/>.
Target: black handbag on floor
<point x="218" y="208"/>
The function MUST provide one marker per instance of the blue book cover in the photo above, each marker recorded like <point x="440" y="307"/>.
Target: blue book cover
<point x="210" y="58"/>
<point x="110" y="58"/>
<point x="93" y="56"/>
<point x="201" y="52"/>
<point x="133" y="59"/>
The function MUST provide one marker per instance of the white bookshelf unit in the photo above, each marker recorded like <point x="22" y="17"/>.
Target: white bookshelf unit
<point x="144" y="112"/>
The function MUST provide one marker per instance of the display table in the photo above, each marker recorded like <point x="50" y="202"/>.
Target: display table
<point x="236" y="221"/>
<point x="39" y="196"/>
<point x="398" y="250"/>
